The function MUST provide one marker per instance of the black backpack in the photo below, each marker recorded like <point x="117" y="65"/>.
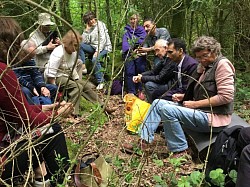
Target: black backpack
<point x="225" y="153"/>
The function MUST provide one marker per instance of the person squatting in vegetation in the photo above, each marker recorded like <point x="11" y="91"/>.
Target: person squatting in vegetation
<point x="96" y="43"/>
<point x="61" y="67"/>
<point x="45" y="40"/>
<point x="31" y="79"/>
<point x="192" y="110"/>
<point x="134" y="63"/>
<point x="22" y="125"/>
<point x="153" y="34"/>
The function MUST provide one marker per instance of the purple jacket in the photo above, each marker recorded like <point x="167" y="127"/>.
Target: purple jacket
<point x="134" y="37"/>
<point x="188" y="66"/>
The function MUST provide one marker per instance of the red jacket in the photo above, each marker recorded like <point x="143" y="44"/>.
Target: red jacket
<point x="15" y="111"/>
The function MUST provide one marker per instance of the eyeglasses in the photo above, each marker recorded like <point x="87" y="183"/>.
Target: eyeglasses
<point x="204" y="56"/>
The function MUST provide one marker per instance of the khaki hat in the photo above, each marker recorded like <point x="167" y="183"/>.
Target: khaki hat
<point x="44" y="19"/>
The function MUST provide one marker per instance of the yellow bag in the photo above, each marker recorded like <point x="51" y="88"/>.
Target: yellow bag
<point x="135" y="111"/>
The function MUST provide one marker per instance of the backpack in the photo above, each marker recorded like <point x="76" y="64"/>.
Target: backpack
<point x="225" y="153"/>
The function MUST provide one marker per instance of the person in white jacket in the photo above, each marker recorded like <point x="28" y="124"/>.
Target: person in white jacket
<point x="61" y="67"/>
<point x="96" y="43"/>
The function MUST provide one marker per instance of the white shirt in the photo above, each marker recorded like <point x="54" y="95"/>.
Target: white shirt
<point x="61" y="64"/>
<point x="179" y="72"/>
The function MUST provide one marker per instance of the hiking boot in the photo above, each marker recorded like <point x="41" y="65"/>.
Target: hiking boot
<point x="131" y="148"/>
<point x="141" y="95"/>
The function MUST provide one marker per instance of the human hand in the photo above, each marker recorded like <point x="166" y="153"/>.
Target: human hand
<point x="135" y="79"/>
<point x="35" y="92"/>
<point x="51" y="46"/>
<point x="58" y="41"/>
<point x="95" y="54"/>
<point x="190" y="104"/>
<point x="65" y="110"/>
<point x="177" y="97"/>
<point x="45" y="91"/>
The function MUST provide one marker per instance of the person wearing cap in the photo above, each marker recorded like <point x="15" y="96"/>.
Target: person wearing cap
<point x="96" y="43"/>
<point x="45" y="39"/>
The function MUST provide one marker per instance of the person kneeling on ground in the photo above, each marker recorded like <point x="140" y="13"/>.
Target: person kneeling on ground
<point x="216" y="77"/>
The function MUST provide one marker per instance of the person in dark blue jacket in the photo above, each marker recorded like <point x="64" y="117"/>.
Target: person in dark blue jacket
<point x="31" y="79"/>
<point x="176" y="52"/>
<point x="134" y="64"/>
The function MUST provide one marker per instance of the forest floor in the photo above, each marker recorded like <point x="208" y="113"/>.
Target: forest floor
<point x="154" y="169"/>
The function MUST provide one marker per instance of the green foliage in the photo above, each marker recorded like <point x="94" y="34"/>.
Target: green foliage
<point x="195" y="178"/>
<point x="72" y="148"/>
<point x="159" y="181"/>
<point x="176" y="162"/>
<point x="217" y="177"/>
<point x="128" y="177"/>
<point x="242" y="86"/>
<point x="158" y="162"/>
<point x="233" y="175"/>
<point x="118" y="162"/>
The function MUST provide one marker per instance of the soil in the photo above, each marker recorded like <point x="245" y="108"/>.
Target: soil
<point x="131" y="169"/>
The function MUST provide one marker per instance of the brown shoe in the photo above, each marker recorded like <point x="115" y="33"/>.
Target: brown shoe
<point x="184" y="154"/>
<point x="133" y="148"/>
<point x="110" y="110"/>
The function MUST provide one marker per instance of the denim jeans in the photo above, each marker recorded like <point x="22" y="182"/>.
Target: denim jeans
<point x="173" y="116"/>
<point x="29" y="94"/>
<point x="151" y="87"/>
<point x="133" y="68"/>
<point x="85" y="48"/>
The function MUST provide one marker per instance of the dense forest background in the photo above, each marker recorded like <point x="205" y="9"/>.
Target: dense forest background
<point x="227" y="20"/>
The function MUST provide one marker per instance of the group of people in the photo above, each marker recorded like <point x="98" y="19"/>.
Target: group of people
<point x="196" y="94"/>
<point x="44" y="66"/>
<point x="185" y="92"/>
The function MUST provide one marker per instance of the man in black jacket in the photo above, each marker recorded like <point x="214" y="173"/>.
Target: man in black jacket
<point x="162" y="75"/>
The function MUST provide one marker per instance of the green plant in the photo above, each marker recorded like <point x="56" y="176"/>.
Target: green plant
<point x="159" y="181"/>
<point x="217" y="177"/>
<point x="158" y="162"/>
<point x="128" y="177"/>
<point x="118" y="162"/>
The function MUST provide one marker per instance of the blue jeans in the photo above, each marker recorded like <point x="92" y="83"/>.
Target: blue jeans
<point x="88" y="49"/>
<point x="173" y="116"/>
<point x="29" y="93"/>
<point x="151" y="87"/>
<point x="133" y="68"/>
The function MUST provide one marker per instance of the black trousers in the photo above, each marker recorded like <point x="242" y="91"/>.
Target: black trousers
<point x="51" y="149"/>
<point x="243" y="177"/>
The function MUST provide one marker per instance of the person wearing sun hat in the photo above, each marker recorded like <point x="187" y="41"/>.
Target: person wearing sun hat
<point x="45" y="39"/>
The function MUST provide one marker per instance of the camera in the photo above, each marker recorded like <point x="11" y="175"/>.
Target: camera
<point x="52" y="36"/>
